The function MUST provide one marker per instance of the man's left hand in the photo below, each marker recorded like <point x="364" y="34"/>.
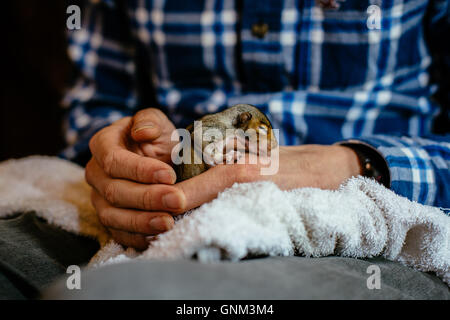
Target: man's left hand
<point x="325" y="167"/>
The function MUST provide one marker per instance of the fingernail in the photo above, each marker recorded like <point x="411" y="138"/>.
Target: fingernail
<point x="173" y="200"/>
<point x="144" y="126"/>
<point x="161" y="223"/>
<point x="164" y="176"/>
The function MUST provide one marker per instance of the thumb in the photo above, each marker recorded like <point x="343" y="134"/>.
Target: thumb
<point x="147" y="125"/>
<point x="216" y="179"/>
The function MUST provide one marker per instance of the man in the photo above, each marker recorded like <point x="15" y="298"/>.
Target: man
<point x="321" y="75"/>
<point x="347" y="82"/>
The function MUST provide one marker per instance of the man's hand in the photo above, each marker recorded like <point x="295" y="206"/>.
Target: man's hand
<point x="132" y="179"/>
<point x="318" y="166"/>
<point x="134" y="191"/>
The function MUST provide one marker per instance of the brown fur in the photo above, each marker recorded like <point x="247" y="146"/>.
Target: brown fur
<point x="241" y="116"/>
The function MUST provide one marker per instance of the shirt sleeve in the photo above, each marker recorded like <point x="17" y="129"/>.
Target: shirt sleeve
<point x="104" y="89"/>
<point x="419" y="167"/>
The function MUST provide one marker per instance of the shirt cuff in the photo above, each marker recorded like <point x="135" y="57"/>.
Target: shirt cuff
<point x="410" y="171"/>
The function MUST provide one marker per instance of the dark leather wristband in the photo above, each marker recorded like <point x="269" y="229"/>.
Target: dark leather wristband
<point x="372" y="163"/>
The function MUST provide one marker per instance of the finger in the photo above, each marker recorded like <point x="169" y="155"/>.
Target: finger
<point x="109" y="149"/>
<point x="134" y="221"/>
<point x="127" y="239"/>
<point x="205" y="187"/>
<point x="146" y="124"/>
<point x="127" y="194"/>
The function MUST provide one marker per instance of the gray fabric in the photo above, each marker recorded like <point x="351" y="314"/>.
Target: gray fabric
<point x="34" y="253"/>
<point x="263" y="278"/>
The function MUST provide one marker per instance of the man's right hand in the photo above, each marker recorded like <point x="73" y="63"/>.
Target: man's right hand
<point x="132" y="178"/>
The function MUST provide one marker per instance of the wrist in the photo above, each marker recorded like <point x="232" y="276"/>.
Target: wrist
<point x="349" y="161"/>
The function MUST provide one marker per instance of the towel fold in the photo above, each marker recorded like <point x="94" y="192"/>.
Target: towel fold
<point x="361" y="219"/>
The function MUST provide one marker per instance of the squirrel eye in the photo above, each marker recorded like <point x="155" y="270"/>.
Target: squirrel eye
<point x="262" y="129"/>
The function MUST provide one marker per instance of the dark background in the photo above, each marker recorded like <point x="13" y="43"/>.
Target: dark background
<point x="36" y="69"/>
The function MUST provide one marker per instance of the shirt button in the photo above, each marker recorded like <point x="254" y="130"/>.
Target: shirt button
<point x="260" y="29"/>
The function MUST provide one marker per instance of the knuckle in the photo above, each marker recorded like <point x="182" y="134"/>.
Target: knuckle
<point x="110" y="192"/>
<point x="109" y="162"/>
<point x="140" y="170"/>
<point x="134" y="224"/>
<point x="92" y="143"/>
<point x="103" y="217"/>
<point x="147" y="201"/>
<point x="88" y="172"/>
<point x="93" y="200"/>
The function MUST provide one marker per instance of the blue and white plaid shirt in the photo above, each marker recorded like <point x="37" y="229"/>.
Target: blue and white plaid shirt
<point x="321" y="75"/>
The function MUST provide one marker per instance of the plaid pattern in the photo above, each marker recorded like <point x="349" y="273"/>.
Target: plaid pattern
<point x="419" y="167"/>
<point x="320" y="75"/>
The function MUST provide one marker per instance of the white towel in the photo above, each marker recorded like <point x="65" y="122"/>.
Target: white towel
<point x="361" y="219"/>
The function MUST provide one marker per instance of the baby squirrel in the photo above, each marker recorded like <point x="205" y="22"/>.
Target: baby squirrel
<point x="213" y="150"/>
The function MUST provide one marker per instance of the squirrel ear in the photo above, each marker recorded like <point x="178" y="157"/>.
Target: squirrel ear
<point x="243" y="118"/>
